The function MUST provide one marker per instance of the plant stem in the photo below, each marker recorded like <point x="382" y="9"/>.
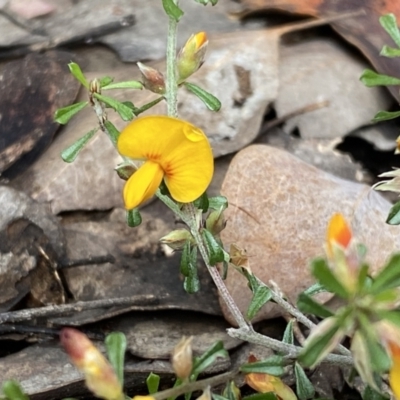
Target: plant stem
<point x="171" y="84"/>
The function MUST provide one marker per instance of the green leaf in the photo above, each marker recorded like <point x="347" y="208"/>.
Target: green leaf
<point x="133" y="218"/>
<point x="273" y="365"/>
<point x="105" y="80"/>
<point x="63" y="115"/>
<point x="288" y="334"/>
<point x="389" y="23"/>
<point x="153" y="382"/>
<point x="391" y="316"/>
<point x="188" y="268"/>
<point x="311" y="354"/>
<point x="211" y="102"/>
<point x="304" y="388"/>
<point x="394" y="214"/>
<point x="261" y="396"/>
<point x="208" y="357"/>
<point x="389" y="277"/>
<point x="321" y="271"/>
<point x="215" y="251"/>
<point x="124" y="112"/>
<point x="78" y="74"/>
<point x="172" y="10"/>
<point x="315" y="289"/>
<point x="218" y="202"/>
<point x="308" y="305"/>
<point x="70" y="153"/>
<point x="147" y="106"/>
<point x="205" y="2"/>
<point x="390" y="52"/>
<point x="371" y="394"/>
<point x="124" y="85"/>
<point x="386" y="115"/>
<point x="371" y="78"/>
<point x="13" y="391"/>
<point x="112" y="131"/>
<point x="116" y="346"/>
<point x="202" y="202"/>
<point x="261" y="293"/>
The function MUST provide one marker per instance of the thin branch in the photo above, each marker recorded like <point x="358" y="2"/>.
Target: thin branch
<point x="194" y="386"/>
<point x="136" y="302"/>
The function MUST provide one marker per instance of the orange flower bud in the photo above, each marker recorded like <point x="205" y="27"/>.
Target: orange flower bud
<point x="100" y="377"/>
<point x="338" y="233"/>
<point x="191" y="56"/>
<point x="153" y="79"/>
<point x="182" y="358"/>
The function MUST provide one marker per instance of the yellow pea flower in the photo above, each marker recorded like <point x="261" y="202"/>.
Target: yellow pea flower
<point x="172" y="149"/>
<point x="338" y="233"/>
<point x="394" y="374"/>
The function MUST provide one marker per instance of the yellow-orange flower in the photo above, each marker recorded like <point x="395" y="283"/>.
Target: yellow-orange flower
<point x="394" y="374"/>
<point x="172" y="149"/>
<point x="338" y="233"/>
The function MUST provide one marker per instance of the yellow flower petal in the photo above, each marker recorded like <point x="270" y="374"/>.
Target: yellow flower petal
<point x="182" y="150"/>
<point x="142" y="184"/>
<point x="394" y="374"/>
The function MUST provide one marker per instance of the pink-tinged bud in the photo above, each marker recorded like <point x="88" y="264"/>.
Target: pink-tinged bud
<point x="99" y="375"/>
<point x="191" y="56"/>
<point x="153" y="79"/>
<point x="182" y="358"/>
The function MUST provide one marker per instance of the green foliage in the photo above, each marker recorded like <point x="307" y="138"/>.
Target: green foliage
<point x="133" y="218"/>
<point x="211" y="102"/>
<point x="288" y="334"/>
<point x="389" y="277"/>
<point x="63" y="115"/>
<point x="393" y="217"/>
<point x="273" y="365"/>
<point x="389" y="23"/>
<point x="308" y="305"/>
<point x="202" y="362"/>
<point x="153" y="382"/>
<point x="123" y="85"/>
<point x="371" y="78"/>
<point x="70" y="153"/>
<point x="13" y="391"/>
<point x="304" y="388"/>
<point x="116" y="346"/>
<point x="172" y="10"/>
<point x="205" y="2"/>
<point x="124" y="111"/>
<point x="215" y="251"/>
<point x="385" y="116"/>
<point x="78" y="74"/>
<point x="202" y="203"/>
<point x="188" y="268"/>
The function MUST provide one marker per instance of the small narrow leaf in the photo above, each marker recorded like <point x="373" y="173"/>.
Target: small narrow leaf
<point x="308" y="305"/>
<point x="188" y="268"/>
<point x="63" y="115"/>
<point x="208" y="357"/>
<point x="172" y="10"/>
<point x="389" y="23"/>
<point x="304" y="388"/>
<point x="394" y="215"/>
<point x="386" y="115"/>
<point x="218" y="202"/>
<point x="371" y="394"/>
<point x="133" y="218"/>
<point x="125" y="112"/>
<point x="215" y="251"/>
<point x="389" y="277"/>
<point x="153" y="382"/>
<point x="325" y="276"/>
<point x="124" y="85"/>
<point x="315" y="289"/>
<point x="147" y="106"/>
<point x="105" y="80"/>
<point x="390" y="52"/>
<point x="116" y="346"/>
<point x="288" y="334"/>
<point x="70" y="153"/>
<point x="202" y="202"/>
<point x="371" y="78"/>
<point x="112" y="131"/>
<point x="272" y="365"/>
<point x="13" y="391"/>
<point x="78" y="74"/>
<point x="211" y="102"/>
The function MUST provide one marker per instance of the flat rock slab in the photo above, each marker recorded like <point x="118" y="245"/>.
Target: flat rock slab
<point x="279" y="208"/>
